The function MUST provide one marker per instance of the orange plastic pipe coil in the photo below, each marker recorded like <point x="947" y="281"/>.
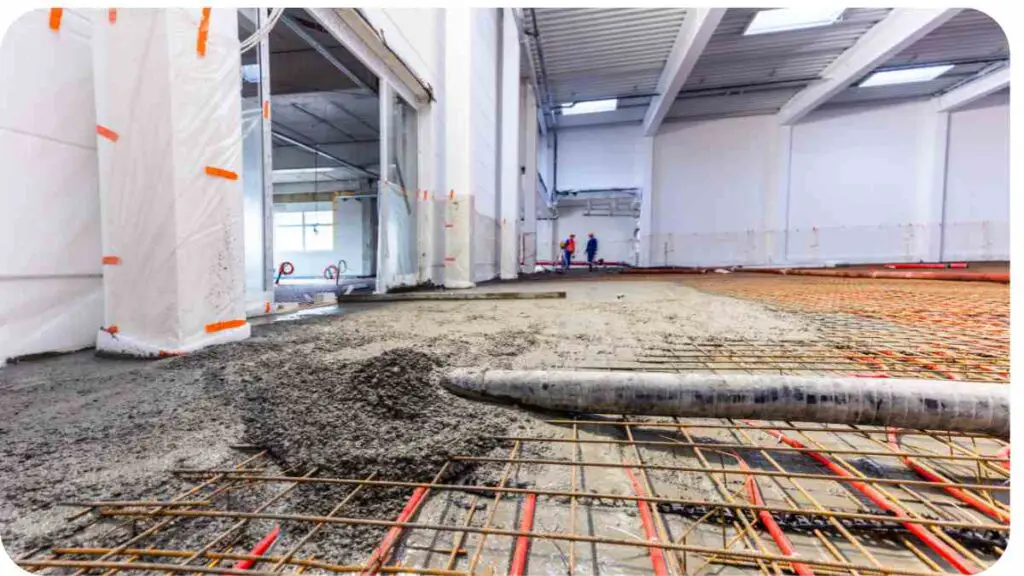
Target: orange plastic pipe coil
<point x="647" y="519"/>
<point x="522" y="550"/>
<point x="961" y="564"/>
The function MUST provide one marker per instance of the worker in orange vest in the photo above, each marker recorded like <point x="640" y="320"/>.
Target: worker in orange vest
<point x="570" y="250"/>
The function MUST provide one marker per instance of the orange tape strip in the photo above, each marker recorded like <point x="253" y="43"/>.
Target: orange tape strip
<point x="266" y="308"/>
<point x="221" y="173"/>
<point x="225" y="325"/>
<point x="204" y="32"/>
<point x="111" y="329"/>
<point x="112" y="260"/>
<point x="55" y="15"/>
<point x="107" y="133"/>
<point x="112" y="15"/>
<point x="266" y="109"/>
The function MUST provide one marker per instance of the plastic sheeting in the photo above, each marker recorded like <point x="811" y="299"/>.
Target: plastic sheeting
<point x="398" y="263"/>
<point x="51" y="296"/>
<point x="458" y="258"/>
<point x="167" y="87"/>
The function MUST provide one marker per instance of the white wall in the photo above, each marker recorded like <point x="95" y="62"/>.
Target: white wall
<point x="977" y="208"/>
<point x="51" y="293"/>
<point x="614" y="233"/>
<point x="711" y="179"/>
<point x="854" y="184"/>
<point x="600" y="157"/>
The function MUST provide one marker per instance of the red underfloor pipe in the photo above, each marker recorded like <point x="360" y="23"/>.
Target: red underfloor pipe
<point x="578" y="263"/>
<point x="1005" y="453"/>
<point x="887" y="274"/>
<point x="926" y="266"/>
<point x="647" y="519"/>
<point x="380" y="555"/>
<point x="962" y="565"/>
<point x="259" y="549"/>
<point x="522" y="550"/>
<point x="931" y="475"/>
<point x="754" y="494"/>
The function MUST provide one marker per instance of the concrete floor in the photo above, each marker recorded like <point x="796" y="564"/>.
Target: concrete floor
<point x="78" y="427"/>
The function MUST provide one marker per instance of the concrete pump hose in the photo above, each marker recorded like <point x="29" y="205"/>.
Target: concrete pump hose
<point x="966" y="407"/>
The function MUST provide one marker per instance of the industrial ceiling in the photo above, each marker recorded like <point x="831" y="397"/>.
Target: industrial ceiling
<point x="582" y="54"/>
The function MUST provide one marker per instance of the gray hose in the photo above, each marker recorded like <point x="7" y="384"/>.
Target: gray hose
<point x="971" y="407"/>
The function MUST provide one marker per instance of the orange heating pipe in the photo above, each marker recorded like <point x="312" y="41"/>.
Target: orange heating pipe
<point x="928" y="473"/>
<point x="522" y="550"/>
<point x="647" y="519"/>
<point x="384" y="549"/>
<point x="961" y="564"/>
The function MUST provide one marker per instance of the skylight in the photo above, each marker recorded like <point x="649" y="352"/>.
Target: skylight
<point x="590" y="107"/>
<point x="784" y="19"/>
<point x="905" y="75"/>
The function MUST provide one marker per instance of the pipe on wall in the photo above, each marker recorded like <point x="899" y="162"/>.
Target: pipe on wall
<point x="924" y="404"/>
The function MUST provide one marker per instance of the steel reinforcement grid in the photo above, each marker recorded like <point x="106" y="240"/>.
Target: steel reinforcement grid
<point x="620" y="495"/>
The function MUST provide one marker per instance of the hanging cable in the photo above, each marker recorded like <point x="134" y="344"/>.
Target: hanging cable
<point x="262" y="32"/>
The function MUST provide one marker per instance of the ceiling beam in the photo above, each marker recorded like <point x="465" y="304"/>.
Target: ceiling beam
<point x="693" y="36"/>
<point x="974" y="90"/>
<point x="314" y="44"/>
<point x="898" y="31"/>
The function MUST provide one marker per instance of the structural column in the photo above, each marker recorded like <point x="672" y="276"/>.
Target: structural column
<point x="458" y="222"/>
<point x="168" y="113"/>
<point x="933" y="154"/>
<point x="509" y="161"/>
<point x="529" y="179"/>
<point x="645" y="225"/>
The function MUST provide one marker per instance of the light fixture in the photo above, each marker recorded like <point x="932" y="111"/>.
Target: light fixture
<point x="302" y="170"/>
<point x="589" y="107"/>
<point x="905" y="75"/>
<point x="786" y="19"/>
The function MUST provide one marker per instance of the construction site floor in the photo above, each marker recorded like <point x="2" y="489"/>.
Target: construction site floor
<point x="96" y="449"/>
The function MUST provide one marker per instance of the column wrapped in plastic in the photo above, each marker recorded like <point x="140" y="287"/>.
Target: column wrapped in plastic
<point x="170" y="188"/>
<point x="398" y="234"/>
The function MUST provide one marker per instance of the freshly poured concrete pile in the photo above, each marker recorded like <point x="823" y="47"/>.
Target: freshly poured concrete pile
<point x="383" y="414"/>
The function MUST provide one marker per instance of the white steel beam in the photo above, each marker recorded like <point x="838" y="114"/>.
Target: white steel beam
<point x="900" y="29"/>
<point x="693" y="36"/>
<point x="974" y="90"/>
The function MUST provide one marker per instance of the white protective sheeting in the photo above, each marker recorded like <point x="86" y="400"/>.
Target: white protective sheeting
<point x="51" y="296"/>
<point x="397" y="260"/>
<point x="172" y="231"/>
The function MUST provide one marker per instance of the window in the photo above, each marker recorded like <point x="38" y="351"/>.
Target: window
<point x="310" y="231"/>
